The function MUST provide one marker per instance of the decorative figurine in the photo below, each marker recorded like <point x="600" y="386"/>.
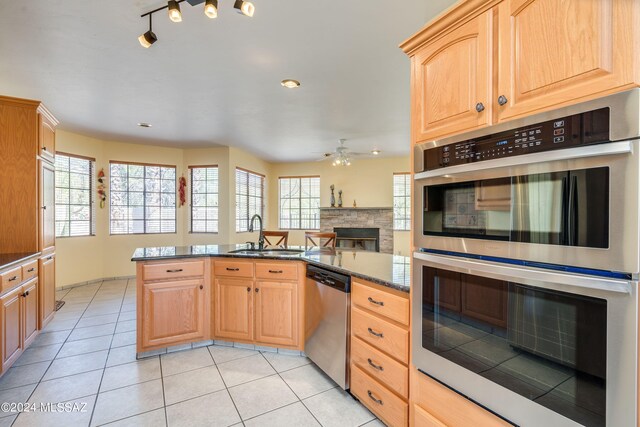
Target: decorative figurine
<point x="354" y="203"/>
<point x="339" y="198"/>
<point x="333" y="198"/>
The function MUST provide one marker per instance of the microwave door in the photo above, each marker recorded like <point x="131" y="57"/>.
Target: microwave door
<point x="588" y="216"/>
<point x="539" y="208"/>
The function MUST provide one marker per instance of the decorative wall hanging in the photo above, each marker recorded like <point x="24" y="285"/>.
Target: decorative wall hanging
<point x="182" y="190"/>
<point x="102" y="192"/>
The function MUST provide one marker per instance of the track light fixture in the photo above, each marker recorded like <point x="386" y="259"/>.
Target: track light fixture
<point x="173" y="8"/>
<point x="148" y="38"/>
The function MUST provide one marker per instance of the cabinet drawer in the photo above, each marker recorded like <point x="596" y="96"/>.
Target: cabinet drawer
<point x="447" y="406"/>
<point x="382" y="402"/>
<point x="278" y="270"/>
<point x="380" y="302"/>
<point x="172" y="270"/>
<point x="392" y="374"/>
<point x="10" y="278"/>
<point x="391" y="339"/>
<point x="233" y="268"/>
<point x="422" y="418"/>
<point x="30" y="270"/>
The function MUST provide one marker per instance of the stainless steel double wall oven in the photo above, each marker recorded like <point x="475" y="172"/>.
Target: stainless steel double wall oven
<point x="527" y="265"/>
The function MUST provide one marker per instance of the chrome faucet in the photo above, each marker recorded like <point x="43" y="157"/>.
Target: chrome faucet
<point x="261" y="235"/>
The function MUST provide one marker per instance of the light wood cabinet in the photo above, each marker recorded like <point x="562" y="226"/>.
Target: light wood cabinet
<point x="11" y="327"/>
<point x="173" y="312"/>
<point x="47" y="292"/>
<point x="47" y="136"/>
<point x="277" y="312"/>
<point x="516" y="58"/>
<point x="451" y="86"/>
<point x="30" y="301"/>
<point x="173" y="308"/>
<point x="47" y="206"/>
<point x="233" y="308"/>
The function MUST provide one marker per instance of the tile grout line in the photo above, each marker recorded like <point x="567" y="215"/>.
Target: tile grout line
<point x="225" y="386"/>
<point x="164" y="397"/>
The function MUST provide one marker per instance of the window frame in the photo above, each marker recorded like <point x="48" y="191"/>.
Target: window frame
<point x="299" y="178"/>
<point x="191" y="168"/>
<point x="262" y="199"/>
<point x="408" y="212"/>
<point x="175" y="207"/>
<point x="92" y="188"/>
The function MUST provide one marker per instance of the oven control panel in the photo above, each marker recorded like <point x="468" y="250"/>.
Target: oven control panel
<point x="580" y="129"/>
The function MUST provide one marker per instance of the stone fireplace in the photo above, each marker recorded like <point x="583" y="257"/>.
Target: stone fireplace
<point x="356" y="227"/>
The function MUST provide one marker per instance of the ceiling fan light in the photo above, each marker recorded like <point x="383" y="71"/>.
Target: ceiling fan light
<point x="147" y="39"/>
<point x="211" y="8"/>
<point x="245" y="7"/>
<point x="174" y="11"/>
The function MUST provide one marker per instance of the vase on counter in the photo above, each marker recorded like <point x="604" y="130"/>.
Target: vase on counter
<point x="354" y="203"/>
<point x="339" y="198"/>
<point x="333" y="197"/>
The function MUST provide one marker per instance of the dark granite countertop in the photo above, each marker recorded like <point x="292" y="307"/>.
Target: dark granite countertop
<point x="9" y="260"/>
<point x="388" y="270"/>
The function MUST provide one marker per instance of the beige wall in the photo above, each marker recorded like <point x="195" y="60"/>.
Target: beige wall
<point x="82" y="259"/>
<point x="368" y="181"/>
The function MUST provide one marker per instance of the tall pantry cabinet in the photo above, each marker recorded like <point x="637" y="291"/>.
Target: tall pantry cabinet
<point x="27" y="193"/>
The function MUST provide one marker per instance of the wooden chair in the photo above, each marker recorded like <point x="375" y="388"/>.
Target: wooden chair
<point x="309" y="241"/>
<point x="280" y="238"/>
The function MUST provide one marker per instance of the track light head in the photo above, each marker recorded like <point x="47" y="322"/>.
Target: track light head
<point x="174" y="11"/>
<point x="147" y="39"/>
<point x="211" y="8"/>
<point x="244" y="7"/>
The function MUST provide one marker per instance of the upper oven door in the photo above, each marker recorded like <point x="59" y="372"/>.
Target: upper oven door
<point x="575" y="207"/>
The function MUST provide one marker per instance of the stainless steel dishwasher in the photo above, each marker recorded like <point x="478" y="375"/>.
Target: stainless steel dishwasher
<point x="327" y="322"/>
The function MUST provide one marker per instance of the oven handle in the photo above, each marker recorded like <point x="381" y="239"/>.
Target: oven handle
<point x="514" y="273"/>
<point x="622" y="147"/>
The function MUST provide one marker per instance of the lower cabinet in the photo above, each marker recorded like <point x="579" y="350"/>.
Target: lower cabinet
<point x="47" y="293"/>
<point x="233" y="308"/>
<point x="277" y="312"/>
<point x="19" y="315"/>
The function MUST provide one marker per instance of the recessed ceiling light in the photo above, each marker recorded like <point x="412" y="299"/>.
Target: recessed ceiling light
<point x="375" y="152"/>
<point x="290" y="83"/>
<point x="144" y="125"/>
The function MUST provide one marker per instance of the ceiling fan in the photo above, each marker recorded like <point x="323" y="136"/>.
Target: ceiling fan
<point x="341" y="156"/>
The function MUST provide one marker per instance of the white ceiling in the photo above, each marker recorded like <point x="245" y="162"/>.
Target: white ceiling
<point x="217" y="82"/>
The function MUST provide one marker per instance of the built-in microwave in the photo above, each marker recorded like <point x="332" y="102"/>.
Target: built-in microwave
<point x="558" y="188"/>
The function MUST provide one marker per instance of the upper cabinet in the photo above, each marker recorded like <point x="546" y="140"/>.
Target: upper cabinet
<point x="487" y="61"/>
<point x="451" y="88"/>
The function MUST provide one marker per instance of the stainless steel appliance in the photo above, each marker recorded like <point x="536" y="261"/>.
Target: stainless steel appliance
<point x="327" y="302"/>
<point x="536" y="346"/>
<point x="559" y="187"/>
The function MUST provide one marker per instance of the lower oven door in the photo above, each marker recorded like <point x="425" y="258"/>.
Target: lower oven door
<point x="537" y="347"/>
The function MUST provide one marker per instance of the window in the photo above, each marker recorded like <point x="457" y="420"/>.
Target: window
<point x="249" y="194"/>
<point x="401" y="201"/>
<point x="142" y="198"/>
<point x="300" y="202"/>
<point x="204" y="199"/>
<point x="75" y="212"/>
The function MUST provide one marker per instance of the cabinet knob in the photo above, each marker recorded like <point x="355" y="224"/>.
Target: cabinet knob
<point x="44" y="207"/>
<point x="44" y="148"/>
<point x="502" y="100"/>
<point x="201" y="287"/>
<point x="479" y="107"/>
<point x="248" y="289"/>
<point x="257" y="289"/>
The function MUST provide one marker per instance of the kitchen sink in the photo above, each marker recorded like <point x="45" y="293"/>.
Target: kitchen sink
<point x="267" y="252"/>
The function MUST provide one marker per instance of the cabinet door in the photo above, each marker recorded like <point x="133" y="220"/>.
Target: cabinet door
<point x="233" y="302"/>
<point x="30" y="299"/>
<point x="173" y="312"/>
<point x="555" y="52"/>
<point x="47" y="206"/>
<point x="451" y="77"/>
<point x="11" y="327"/>
<point x="47" y="139"/>
<point x="47" y="293"/>
<point x="277" y="312"/>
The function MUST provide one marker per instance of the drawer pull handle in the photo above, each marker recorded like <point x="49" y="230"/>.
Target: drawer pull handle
<point x="177" y="270"/>
<point x="372" y="301"/>
<point x="233" y="269"/>
<point x="377" y="334"/>
<point x="13" y="278"/>
<point x="50" y="258"/>
<point x="374" y="366"/>
<point x="378" y="401"/>
<point x="275" y="271"/>
<point x="31" y="269"/>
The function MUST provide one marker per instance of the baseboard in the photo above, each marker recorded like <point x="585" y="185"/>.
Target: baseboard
<point x="89" y="282"/>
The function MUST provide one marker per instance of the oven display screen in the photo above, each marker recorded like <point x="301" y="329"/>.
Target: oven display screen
<point x="547" y="346"/>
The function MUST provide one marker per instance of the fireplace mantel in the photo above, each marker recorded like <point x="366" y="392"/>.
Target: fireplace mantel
<point x="360" y="217"/>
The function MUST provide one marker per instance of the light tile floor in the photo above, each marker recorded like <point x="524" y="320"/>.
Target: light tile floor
<point x="86" y="359"/>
